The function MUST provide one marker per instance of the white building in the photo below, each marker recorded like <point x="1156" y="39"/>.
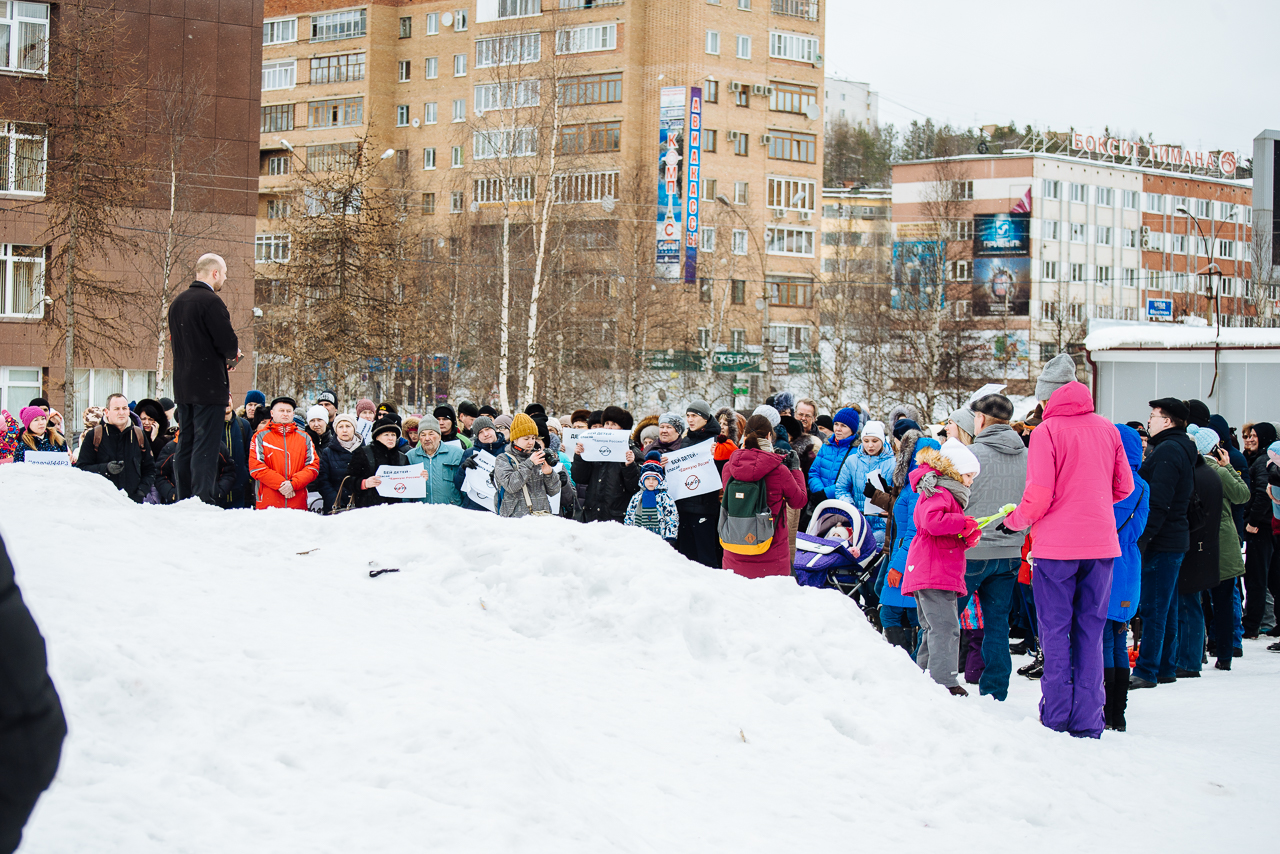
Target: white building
<point x="851" y="101"/>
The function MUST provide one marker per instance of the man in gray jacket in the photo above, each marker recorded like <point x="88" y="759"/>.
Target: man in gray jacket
<point x="991" y="568"/>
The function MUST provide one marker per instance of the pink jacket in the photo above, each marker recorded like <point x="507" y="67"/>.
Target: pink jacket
<point x="935" y="559"/>
<point x="783" y="487"/>
<point x="1076" y="469"/>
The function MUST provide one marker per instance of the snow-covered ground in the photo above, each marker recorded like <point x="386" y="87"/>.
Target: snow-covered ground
<point x="236" y="681"/>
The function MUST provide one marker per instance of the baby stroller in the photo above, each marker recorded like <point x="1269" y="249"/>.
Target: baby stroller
<point x="839" y="551"/>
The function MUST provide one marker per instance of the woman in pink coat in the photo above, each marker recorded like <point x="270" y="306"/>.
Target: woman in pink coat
<point x="935" y="561"/>
<point x="784" y="486"/>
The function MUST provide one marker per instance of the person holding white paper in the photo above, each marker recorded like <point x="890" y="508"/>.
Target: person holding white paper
<point x="382" y="451"/>
<point x="488" y="441"/>
<point x="609" y="485"/>
<point x="37" y="434"/>
<point x="698" y="539"/>
<point x="851" y="484"/>
<point x="524" y="473"/>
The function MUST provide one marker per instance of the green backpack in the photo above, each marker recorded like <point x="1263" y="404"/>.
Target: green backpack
<point x="746" y="523"/>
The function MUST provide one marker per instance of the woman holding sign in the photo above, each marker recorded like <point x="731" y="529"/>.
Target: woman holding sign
<point x="37" y="434"/>
<point x="362" y="473"/>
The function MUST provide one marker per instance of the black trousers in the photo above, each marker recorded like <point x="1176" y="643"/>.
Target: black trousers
<point x="698" y="540"/>
<point x="1224" y="619"/>
<point x="195" y="468"/>
<point x="1257" y="569"/>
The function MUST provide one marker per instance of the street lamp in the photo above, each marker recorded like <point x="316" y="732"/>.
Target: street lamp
<point x="1216" y="295"/>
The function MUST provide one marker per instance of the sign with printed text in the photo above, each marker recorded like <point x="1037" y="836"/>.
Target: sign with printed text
<point x="670" y="181"/>
<point x="47" y="458"/>
<point x="604" y="446"/>
<point x="693" y="186"/>
<point x="478" y="482"/>
<point x="1160" y="308"/>
<point x="401" y="482"/>
<point x="692" y="471"/>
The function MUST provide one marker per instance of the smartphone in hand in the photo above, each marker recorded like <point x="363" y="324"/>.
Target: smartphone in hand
<point x="231" y="363"/>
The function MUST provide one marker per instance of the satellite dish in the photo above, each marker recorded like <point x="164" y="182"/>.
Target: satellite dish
<point x="608" y="204"/>
<point x="812" y="112"/>
<point x="416" y="122"/>
<point x="475" y="206"/>
<point x="446" y="18"/>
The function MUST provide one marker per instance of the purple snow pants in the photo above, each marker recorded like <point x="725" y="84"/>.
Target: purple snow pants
<point x="1071" y="602"/>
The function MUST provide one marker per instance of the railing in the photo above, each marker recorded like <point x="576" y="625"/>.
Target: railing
<point x="807" y="9"/>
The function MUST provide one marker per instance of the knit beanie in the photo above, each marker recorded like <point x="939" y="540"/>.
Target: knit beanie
<point x="364" y="404"/>
<point x="675" y="419"/>
<point x="784" y="400"/>
<point x="699" y="407"/>
<point x="502" y="423"/>
<point x="344" y="416"/>
<point x="652" y="467"/>
<point x="389" y="406"/>
<point x="1058" y="371"/>
<point x="489" y="410"/>
<point x="825" y="422"/>
<point x="318" y="411"/>
<point x="1204" y="438"/>
<point x="961" y="457"/>
<point x="535" y="409"/>
<point x="769" y="413"/>
<point x="444" y="410"/>
<point x="30" y="413"/>
<point x="482" y="422"/>
<point x="522" y="425"/>
<point x="847" y="417"/>
<point x="328" y="396"/>
<point x="255" y="396"/>
<point x="429" y="423"/>
<point x="903" y="425"/>
<point x="963" y="418"/>
<point x="874" y="429"/>
<point x="1199" y="413"/>
<point x="387" y="422"/>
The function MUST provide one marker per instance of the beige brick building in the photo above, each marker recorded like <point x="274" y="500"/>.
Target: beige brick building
<point x="444" y="83"/>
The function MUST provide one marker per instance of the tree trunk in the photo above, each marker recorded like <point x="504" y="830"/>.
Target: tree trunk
<point x="165" y="279"/>
<point x="504" y="403"/>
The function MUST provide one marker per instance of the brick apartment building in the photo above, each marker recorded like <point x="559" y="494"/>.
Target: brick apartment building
<point x="204" y="44"/>
<point x="437" y="81"/>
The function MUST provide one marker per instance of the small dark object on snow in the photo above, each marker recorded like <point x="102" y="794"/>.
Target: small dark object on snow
<point x="309" y="551"/>
<point x="374" y="573"/>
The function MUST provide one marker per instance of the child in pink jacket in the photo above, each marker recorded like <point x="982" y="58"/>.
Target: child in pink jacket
<point x="935" y="561"/>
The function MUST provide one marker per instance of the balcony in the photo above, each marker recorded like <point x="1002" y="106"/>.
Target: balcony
<point x="806" y="9"/>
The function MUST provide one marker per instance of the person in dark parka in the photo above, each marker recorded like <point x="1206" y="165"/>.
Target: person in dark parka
<point x="697" y="538"/>
<point x="383" y="450"/>
<point x="119" y="451"/>
<point x="236" y="436"/>
<point x="1238" y="462"/>
<point x="1199" y="570"/>
<point x="1259" y="541"/>
<point x="204" y="344"/>
<point x="32" y="726"/>
<point x="609" y="485"/>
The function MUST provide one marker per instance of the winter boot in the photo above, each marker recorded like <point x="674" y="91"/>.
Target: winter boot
<point x="1121" y="703"/>
<point x="1035" y="669"/>
<point x="896" y="636"/>
<point x="1109" y="686"/>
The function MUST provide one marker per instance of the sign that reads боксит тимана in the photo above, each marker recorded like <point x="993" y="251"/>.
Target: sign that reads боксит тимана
<point x="1160" y="156"/>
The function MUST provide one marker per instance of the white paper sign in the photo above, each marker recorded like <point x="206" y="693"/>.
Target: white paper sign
<point x="477" y="483"/>
<point x="457" y="443"/>
<point x="692" y="471"/>
<point x="869" y="509"/>
<point x="570" y="440"/>
<point x="47" y="458"/>
<point x="401" y="482"/>
<point x="604" y="446"/>
<point x="989" y="388"/>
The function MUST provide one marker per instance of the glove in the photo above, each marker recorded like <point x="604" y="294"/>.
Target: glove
<point x="115" y="467"/>
<point x="971" y="533"/>
<point x="470" y="463"/>
<point x="869" y="490"/>
<point x="793" y="460"/>
<point x="1002" y="528"/>
<point x="894" y="578"/>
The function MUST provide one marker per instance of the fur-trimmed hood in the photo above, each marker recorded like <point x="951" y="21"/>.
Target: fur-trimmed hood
<point x="903" y="410"/>
<point x="732" y="418"/>
<point x="936" y="461"/>
<point x="647" y="421"/>
<point x="906" y="451"/>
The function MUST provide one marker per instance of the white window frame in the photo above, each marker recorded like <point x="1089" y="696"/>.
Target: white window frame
<point x="1102" y="274"/>
<point x="459" y="110"/>
<point x="707" y="238"/>
<point x="456" y="158"/>
<point x="12" y="135"/>
<point x="1104" y="197"/>
<point x="519" y="8"/>
<point x="798" y="47"/>
<point x="1129" y="238"/>
<point x="743" y="47"/>
<point x="788" y="188"/>
<point x="457" y="201"/>
<point x="712" y="43"/>
<point x="581" y="187"/>
<point x="459" y="65"/>
<point x="12" y="255"/>
<point x="507" y="95"/>
<point x="514" y="49"/>
<point x="433" y="23"/>
<point x="459" y="20"/>
<point x="276" y="72"/>
<point x="347" y="24"/>
<point x="1079" y="193"/>
<point x="741" y="192"/>
<point x="1050" y="229"/>
<point x="29" y="30"/>
<point x="1129" y="277"/>
<point x="593" y="38"/>
<point x="431" y="67"/>
<point x="428" y="158"/>
<point x="788" y="241"/>
<point x="739" y="241"/>
<point x="24" y="387"/>
<point x="1130" y="200"/>
<point x="279" y="31"/>
<point x="1050" y="189"/>
<point x="1079" y="232"/>
<point x="402" y="115"/>
<point x="1049" y="271"/>
<point x="271" y="248"/>
<point x="430" y="113"/>
<point x="504" y="142"/>
<point x="1103" y="235"/>
<point x="1154" y="202"/>
<point x="1079" y="272"/>
<point x="403" y="68"/>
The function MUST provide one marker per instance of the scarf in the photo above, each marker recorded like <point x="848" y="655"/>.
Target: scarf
<point x="766" y="446"/>
<point x="352" y="445"/>
<point x="932" y="482"/>
<point x="648" y="498"/>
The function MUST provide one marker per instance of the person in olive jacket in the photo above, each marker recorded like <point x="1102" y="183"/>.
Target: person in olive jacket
<point x="205" y="348"/>
<point x="32" y="726"/>
<point x="609" y="485"/>
<point x="119" y="451"/>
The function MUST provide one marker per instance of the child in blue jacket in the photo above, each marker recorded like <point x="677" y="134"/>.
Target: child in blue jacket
<point x="1126" y="582"/>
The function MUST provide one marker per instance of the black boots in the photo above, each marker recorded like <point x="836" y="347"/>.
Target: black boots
<point x="898" y="636"/>
<point x="1035" y="669"/>
<point x="1116" y="682"/>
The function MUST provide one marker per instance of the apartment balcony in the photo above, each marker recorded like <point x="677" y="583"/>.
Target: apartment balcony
<point x="806" y="9"/>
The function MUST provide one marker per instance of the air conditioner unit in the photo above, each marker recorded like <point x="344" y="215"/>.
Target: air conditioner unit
<point x="779" y="213"/>
<point x="757" y="89"/>
<point x="733" y="136"/>
<point x="1146" y="237"/>
<point x="805" y="216"/>
<point x="765" y="139"/>
<point x="817" y="61"/>
<point x="735" y="86"/>
<point x="768" y="91"/>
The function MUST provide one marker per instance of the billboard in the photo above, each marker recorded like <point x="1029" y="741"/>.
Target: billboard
<point x="670" y="184"/>
<point x="1001" y="287"/>
<point x="693" y="189"/>
<point x="1001" y="234"/>
<point x="917" y="265"/>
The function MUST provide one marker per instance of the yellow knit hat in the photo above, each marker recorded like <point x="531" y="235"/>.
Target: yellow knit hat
<point x="522" y="425"/>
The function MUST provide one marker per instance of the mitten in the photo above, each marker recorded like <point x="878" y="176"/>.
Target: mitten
<point x="894" y="578"/>
<point x="115" y="467"/>
<point x="869" y="490"/>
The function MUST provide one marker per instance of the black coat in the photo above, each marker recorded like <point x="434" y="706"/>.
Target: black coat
<point x="609" y="488"/>
<point x="131" y="447"/>
<point x="1258" y="511"/>
<point x="32" y="725"/>
<point x="203" y="341"/>
<point x="707" y="504"/>
<point x="1167" y="469"/>
<point x="236" y="437"/>
<point x="334" y="460"/>
<point x="1200" y="566"/>
<point x="360" y="469"/>
<point x="167" y="484"/>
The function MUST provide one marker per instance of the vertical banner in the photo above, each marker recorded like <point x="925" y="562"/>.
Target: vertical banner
<point x="693" y="187"/>
<point x="670" y="200"/>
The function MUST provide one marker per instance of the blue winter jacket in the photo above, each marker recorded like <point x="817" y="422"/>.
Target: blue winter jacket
<point x="826" y="465"/>
<point x="904" y="519"/>
<point x="460" y="476"/>
<point x="440" y="471"/>
<point x="1131" y="520"/>
<point x="853" y="477"/>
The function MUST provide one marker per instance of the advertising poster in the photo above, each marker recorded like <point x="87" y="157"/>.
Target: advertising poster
<point x="670" y="189"/>
<point x="693" y="187"/>
<point x="1001" y="287"/>
<point x="1002" y="234"/>
<point x="917" y="265"/>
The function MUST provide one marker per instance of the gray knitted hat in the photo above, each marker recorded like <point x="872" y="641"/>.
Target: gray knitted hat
<point x="963" y="418"/>
<point x="1059" y="371"/>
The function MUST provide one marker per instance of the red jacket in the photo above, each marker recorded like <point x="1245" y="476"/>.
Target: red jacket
<point x="782" y="487"/>
<point x="1076" y="469"/>
<point x="281" y="452"/>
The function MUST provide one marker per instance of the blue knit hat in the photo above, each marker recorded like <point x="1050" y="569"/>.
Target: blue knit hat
<point x="255" y="396"/>
<point x="1204" y="437"/>
<point x="652" y="467"/>
<point x="847" y="416"/>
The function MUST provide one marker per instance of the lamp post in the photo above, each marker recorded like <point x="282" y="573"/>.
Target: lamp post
<point x="1216" y="291"/>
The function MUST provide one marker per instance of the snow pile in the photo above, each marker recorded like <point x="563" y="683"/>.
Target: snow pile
<point x="236" y="681"/>
<point x="1171" y="335"/>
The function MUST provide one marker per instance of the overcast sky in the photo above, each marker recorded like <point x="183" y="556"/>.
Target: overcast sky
<point x="1205" y="75"/>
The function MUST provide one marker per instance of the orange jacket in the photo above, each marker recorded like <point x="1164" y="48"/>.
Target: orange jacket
<point x="281" y="452"/>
